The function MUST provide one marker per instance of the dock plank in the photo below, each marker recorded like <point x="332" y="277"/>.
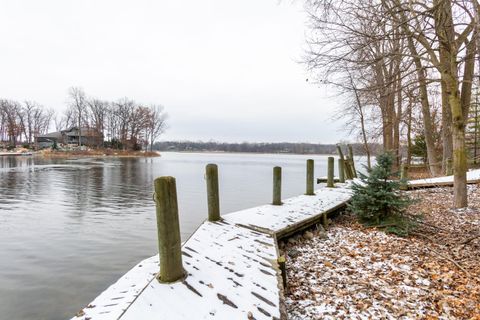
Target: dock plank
<point x="294" y="211"/>
<point x="112" y="302"/>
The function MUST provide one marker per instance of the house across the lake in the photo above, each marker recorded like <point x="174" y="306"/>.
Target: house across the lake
<point x="88" y="137"/>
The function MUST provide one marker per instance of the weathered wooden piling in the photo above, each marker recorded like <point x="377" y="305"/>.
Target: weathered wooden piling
<point x="211" y="175"/>
<point x="346" y="164"/>
<point x="310" y="173"/>
<point x="169" y="242"/>
<point x="348" y="168"/>
<point x="352" y="161"/>
<point x="341" y="171"/>
<point x="325" y="221"/>
<point x="277" y="186"/>
<point x="330" y="172"/>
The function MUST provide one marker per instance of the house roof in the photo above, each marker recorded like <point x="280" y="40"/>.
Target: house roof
<point x="54" y="135"/>
<point x="85" y="132"/>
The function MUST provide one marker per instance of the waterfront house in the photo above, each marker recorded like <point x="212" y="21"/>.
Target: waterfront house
<point x="88" y="137"/>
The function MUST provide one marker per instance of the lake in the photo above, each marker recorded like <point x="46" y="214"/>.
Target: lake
<point x="70" y="228"/>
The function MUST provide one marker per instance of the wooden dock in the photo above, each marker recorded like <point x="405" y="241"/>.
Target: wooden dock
<point x="231" y="266"/>
<point x="473" y="177"/>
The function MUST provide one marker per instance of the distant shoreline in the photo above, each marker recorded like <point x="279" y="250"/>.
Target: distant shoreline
<point x="252" y="152"/>
<point x="303" y="148"/>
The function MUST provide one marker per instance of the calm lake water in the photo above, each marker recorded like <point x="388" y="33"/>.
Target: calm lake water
<point x="70" y="228"/>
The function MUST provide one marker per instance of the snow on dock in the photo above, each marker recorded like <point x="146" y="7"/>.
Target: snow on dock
<point x="473" y="176"/>
<point x="231" y="267"/>
<point x="293" y="214"/>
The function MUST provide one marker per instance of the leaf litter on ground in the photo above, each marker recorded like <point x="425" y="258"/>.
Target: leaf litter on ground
<point x="355" y="272"/>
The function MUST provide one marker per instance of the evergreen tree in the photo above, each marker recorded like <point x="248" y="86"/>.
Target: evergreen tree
<point x="377" y="199"/>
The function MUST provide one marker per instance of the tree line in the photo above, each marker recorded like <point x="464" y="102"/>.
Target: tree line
<point x="123" y="124"/>
<point x="258" y="147"/>
<point x="404" y="69"/>
<point x="21" y="122"/>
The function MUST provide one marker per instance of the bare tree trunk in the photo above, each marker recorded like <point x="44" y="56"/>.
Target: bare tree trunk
<point x="449" y="73"/>
<point x="396" y="126"/>
<point x="459" y="154"/>
<point x="446" y="129"/>
<point x="362" y="124"/>
<point x="409" y="135"/>
<point x="422" y="86"/>
<point x="427" y="122"/>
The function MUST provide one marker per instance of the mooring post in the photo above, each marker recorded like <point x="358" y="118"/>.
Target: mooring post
<point x="342" y="158"/>
<point x="310" y="178"/>
<point x="211" y="175"/>
<point x="349" y="168"/>
<point x="169" y="242"/>
<point x="350" y="154"/>
<point x="277" y="186"/>
<point x="341" y="171"/>
<point x="330" y="171"/>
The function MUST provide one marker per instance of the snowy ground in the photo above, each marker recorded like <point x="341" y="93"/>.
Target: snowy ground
<point x="359" y="273"/>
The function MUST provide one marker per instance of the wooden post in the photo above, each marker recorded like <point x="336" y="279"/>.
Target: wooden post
<point x="310" y="178"/>
<point x="169" y="242"/>
<point x="211" y="174"/>
<point x="342" y="158"/>
<point x="283" y="269"/>
<point x="330" y="171"/>
<point x="350" y="154"/>
<point x="325" y="221"/>
<point x="341" y="171"/>
<point x="277" y="186"/>
<point x="348" y="168"/>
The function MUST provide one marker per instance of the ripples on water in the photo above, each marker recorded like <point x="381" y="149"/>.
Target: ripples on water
<point x="70" y="228"/>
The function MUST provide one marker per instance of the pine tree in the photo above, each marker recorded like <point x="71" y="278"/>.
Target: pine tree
<point x="377" y="199"/>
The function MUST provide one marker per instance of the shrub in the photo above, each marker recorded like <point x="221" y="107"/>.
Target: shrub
<point x="377" y="200"/>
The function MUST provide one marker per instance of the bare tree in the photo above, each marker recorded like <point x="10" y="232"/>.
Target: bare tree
<point x="391" y="40"/>
<point x="156" y="124"/>
<point x="78" y="104"/>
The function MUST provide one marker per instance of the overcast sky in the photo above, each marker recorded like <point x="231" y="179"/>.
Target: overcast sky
<point x="225" y="70"/>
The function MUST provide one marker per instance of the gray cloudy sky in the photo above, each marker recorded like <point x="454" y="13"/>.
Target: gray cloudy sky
<point x="224" y="69"/>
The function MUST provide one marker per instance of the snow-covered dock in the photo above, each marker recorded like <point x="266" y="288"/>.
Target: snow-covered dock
<point x="473" y="176"/>
<point x="231" y="266"/>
